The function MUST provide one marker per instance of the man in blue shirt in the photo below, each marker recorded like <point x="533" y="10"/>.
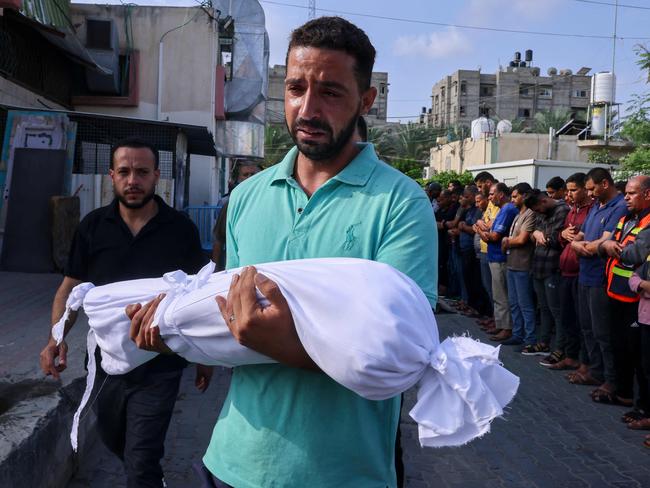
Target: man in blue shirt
<point x="499" y="196"/>
<point x="594" y="303"/>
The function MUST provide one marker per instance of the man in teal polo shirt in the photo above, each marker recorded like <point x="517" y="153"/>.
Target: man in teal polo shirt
<point x="288" y="424"/>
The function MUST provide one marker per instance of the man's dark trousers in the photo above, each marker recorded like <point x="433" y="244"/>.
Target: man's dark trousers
<point x="133" y="413"/>
<point x="626" y="345"/>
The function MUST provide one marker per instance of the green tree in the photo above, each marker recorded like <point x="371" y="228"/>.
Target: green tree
<point x="444" y="177"/>
<point x="602" y="156"/>
<point x="636" y="126"/>
<point x="277" y="142"/>
<point x="545" y="119"/>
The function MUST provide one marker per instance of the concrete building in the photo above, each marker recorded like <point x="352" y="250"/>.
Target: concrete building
<point x="514" y="92"/>
<point x="460" y="155"/>
<point x="535" y="172"/>
<point x="275" y="102"/>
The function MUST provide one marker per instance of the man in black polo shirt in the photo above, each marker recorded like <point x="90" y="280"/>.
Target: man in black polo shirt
<point x="136" y="236"/>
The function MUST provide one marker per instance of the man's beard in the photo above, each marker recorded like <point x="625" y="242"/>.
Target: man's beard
<point x="135" y="205"/>
<point x="327" y="150"/>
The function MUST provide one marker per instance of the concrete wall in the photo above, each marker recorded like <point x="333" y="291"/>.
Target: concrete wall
<point x="459" y="155"/>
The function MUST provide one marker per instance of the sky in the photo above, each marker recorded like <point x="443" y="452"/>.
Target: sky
<point x="417" y="53"/>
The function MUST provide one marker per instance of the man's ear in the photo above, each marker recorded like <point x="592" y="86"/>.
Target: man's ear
<point x="367" y="99"/>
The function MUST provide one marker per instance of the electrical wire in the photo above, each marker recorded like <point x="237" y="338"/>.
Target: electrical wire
<point x="608" y="4"/>
<point x="459" y="26"/>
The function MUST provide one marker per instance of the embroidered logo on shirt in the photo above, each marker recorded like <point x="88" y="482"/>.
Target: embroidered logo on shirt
<point x="350" y="238"/>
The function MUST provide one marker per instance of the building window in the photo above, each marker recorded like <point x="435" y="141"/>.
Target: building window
<point x="463" y="88"/>
<point x="545" y="92"/>
<point x="524" y="113"/>
<point x="373" y="111"/>
<point x="382" y="90"/>
<point x="524" y="90"/>
<point x="487" y="91"/>
<point x="455" y="88"/>
<point x="484" y="111"/>
<point x="461" y="110"/>
<point x="580" y="93"/>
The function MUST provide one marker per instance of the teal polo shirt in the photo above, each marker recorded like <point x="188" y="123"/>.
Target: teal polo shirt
<point x="289" y="427"/>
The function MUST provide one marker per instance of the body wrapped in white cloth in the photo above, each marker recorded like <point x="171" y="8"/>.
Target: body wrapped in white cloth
<point x="365" y="324"/>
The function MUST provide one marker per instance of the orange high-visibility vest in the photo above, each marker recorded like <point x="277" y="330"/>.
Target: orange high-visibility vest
<point x="618" y="273"/>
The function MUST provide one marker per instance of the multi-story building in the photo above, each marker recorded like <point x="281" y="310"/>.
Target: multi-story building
<point x="275" y="101"/>
<point x="517" y="91"/>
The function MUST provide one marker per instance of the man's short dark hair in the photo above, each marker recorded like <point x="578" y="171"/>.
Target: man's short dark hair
<point x="502" y="188"/>
<point x="483" y="176"/>
<point x="577" y="178"/>
<point x="522" y="188"/>
<point x="362" y="128"/>
<point x="456" y="183"/>
<point x="620" y="186"/>
<point x="135" y="143"/>
<point x="534" y="197"/>
<point x="556" y="183"/>
<point x="598" y="175"/>
<point x="338" y="34"/>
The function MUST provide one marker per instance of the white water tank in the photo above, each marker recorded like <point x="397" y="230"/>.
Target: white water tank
<point x="603" y="87"/>
<point x="598" y="121"/>
<point x="504" y="127"/>
<point x="481" y="126"/>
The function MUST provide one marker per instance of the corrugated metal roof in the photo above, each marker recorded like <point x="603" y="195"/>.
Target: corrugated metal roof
<point x="54" y="13"/>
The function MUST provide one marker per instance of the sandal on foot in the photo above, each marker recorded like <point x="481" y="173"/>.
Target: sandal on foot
<point x="641" y="424"/>
<point x="606" y="397"/>
<point x="633" y="415"/>
<point x="577" y="378"/>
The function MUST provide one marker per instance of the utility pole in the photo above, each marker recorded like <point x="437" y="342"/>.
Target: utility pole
<point x="311" y="13"/>
<point x="614" y="36"/>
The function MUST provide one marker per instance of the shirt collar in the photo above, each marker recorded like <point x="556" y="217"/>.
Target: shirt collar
<point x="356" y="173"/>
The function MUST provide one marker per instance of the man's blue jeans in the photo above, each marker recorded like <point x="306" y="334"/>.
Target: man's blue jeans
<point x="522" y="306"/>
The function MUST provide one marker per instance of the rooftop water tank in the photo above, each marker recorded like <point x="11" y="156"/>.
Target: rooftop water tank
<point x="552" y="71"/>
<point x="603" y="87"/>
<point x="481" y="126"/>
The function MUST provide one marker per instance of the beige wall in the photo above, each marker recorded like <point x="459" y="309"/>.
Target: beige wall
<point x="459" y="155"/>
<point x="189" y="60"/>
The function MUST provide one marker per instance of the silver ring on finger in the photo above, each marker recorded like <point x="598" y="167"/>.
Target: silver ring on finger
<point x="232" y="318"/>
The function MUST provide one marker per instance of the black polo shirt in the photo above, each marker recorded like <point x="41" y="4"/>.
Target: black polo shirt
<point x="104" y="251"/>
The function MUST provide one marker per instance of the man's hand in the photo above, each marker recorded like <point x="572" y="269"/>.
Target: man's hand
<point x="539" y="238"/>
<point x="611" y="248"/>
<point x="580" y="248"/>
<point x="270" y="330"/>
<point x="203" y="376"/>
<point x="482" y="225"/>
<point x="505" y="244"/>
<point x="48" y="358"/>
<point x="142" y="333"/>
<point x="570" y="233"/>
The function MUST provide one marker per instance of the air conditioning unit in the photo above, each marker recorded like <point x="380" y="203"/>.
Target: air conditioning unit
<point x="103" y="45"/>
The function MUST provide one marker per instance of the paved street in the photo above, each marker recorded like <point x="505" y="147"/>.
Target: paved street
<point x="553" y="436"/>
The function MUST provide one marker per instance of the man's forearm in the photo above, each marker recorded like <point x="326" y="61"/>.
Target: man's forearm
<point x="58" y="305"/>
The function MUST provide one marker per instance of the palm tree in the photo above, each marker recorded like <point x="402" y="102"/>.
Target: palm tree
<point x="545" y="119"/>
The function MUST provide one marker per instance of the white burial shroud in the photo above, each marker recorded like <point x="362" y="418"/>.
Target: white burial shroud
<point x="365" y="324"/>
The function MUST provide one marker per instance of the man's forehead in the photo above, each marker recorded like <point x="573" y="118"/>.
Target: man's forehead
<point x="133" y="157"/>
<point x="318" y="62"/>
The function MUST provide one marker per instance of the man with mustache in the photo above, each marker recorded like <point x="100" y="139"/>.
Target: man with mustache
<point x="136" y="236"/>
<point x="289" y="425"/>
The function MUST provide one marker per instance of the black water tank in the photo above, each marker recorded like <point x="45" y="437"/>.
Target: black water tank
<point x="529" y="55"/>
<point x="517" y="56"/>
